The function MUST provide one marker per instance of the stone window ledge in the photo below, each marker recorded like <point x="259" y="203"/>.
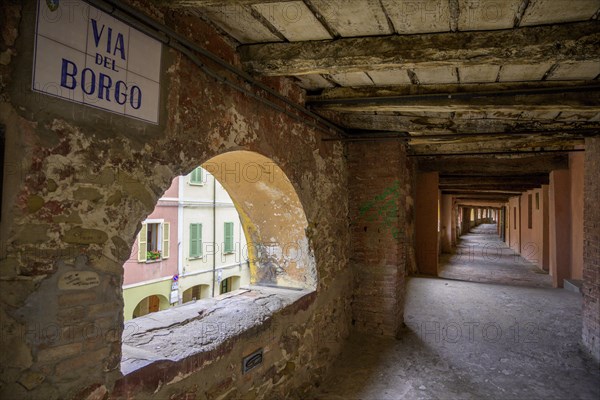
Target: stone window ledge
<point x="184" y="332"/>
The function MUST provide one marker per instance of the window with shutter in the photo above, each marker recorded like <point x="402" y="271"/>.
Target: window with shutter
<point x="196" y="177"/>
<point x="166" y="232"/>
<point x="228" y="245"/>
<point x="195" y="240"/>
<point x="143" y="243"/>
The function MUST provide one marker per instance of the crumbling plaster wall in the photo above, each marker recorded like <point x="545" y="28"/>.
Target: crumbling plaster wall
<point x="78" y="181"/>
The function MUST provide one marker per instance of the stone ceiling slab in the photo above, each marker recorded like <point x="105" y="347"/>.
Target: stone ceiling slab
<point x="557" y="11"/>
<point x="354" y="17"/>
<point x="478" y="73"/>
<point x="313" y="82"/>
<point x="239" y="23"/>
<point x="294" y="20"/>
<point x="352" y="79"/>
<point x="585" y="70"/>
<point x="483" y="15"/>
<point x="433" y="75"/>
<point x="391" y="77"/>
<point x="418" y="16"/>
<point x="523" y="72"/>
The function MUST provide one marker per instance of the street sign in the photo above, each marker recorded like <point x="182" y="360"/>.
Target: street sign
<point x="85" y="56"/>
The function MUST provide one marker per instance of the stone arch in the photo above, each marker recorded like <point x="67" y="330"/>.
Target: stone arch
<point x="162" y="303"/>
<point x="78" y="181"/>
<point x="196" y="292"/>
<point x="273" y="218"/>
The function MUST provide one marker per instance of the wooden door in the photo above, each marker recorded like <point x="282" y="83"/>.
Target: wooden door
<point x="153" y="304"/>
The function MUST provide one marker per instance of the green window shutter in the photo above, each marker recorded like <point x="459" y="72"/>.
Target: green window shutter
<point x="195" y="240"/>
<point x="196" y="176"/>
<point x="143" y="244"/>
<point x="166" y="231"/>
<point x="228" y="248"/>
<point x="199" y="240"/>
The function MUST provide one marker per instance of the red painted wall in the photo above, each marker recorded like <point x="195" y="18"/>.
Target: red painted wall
<point x="426" y="209"/>
<point x="560" y="226"/>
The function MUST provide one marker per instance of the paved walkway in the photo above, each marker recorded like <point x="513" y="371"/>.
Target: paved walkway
<point x="481" y="256"/>
<point x="467" y="340"/>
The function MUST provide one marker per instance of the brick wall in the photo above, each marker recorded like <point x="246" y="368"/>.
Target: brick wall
<point x="591" y="249"/>
<point x="380" y="191"/>
<point x="78" y="181"/>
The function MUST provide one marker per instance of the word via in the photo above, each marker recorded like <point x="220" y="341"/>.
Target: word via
<point x="114" y="45"/>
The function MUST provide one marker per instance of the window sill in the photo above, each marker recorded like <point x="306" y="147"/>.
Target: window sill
<point x="151" y="261"/>
<point x="193" y="328"/>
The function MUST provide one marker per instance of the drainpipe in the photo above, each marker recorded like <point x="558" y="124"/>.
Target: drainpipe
<point x="180" y="228"/>
<point x="214" y="207"/>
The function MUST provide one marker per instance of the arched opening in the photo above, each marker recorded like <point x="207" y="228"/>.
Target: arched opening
<point x="234" y="226"/>
<point x="229" y="284"/>
<point x="150" y="304"/>
<point x="273" y="219"/>
<point x="196" y="292"/>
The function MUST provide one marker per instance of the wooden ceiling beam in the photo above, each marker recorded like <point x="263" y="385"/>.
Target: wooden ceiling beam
<point x="539" y="164"/>
<point x="558" y="99"/>
<point x="213" y="3"/>
<point x="506" y="187"/>
<point x="491" y="180"/>
<point x="449" y="89"/>
<point x="528" y="45"/>
<point x="433" y="124"/>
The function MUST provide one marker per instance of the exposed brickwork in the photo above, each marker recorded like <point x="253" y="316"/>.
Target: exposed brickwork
<point x="81" y="180"/>
<point x="591" y="249"/>
<point x="380" y="195"/>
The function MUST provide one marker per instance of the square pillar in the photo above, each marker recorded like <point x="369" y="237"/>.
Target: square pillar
<point x="560" y="226"/>
<point x="380" y="202"/>
<point x="426" y="222"/>
<point x="447" y="218"/>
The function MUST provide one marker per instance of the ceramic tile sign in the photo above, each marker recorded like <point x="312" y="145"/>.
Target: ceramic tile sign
<point x="86" y="56"/>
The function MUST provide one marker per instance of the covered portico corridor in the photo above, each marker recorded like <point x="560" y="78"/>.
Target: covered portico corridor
<point x="415" y="186"/>
<point x="482" y="256"/>
<point x="490" y="325"/>
<point x="467" y="340"/>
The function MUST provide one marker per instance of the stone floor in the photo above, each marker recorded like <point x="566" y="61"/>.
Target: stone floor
<point x="481" y="256"/>
<point x="469" y="340"/>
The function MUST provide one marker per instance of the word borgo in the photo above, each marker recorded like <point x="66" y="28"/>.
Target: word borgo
<point x="99" y="85"/>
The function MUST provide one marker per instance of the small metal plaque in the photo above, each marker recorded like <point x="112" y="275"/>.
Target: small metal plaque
<point x="252" y="361"/>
